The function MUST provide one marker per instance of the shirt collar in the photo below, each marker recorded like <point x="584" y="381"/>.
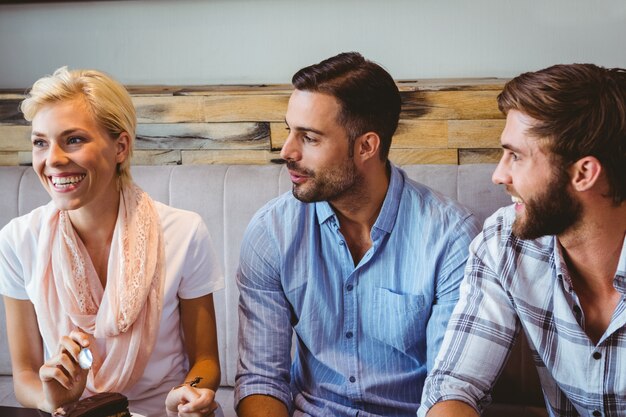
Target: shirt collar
<point x="560" y="265"/>
<point x="387" y="216"/>
<point x="619" y="281"/>
<point x="620" y="276"/>
<point x="389" y="211"/>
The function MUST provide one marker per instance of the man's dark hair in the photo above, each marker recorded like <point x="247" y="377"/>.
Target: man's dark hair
<point x="580" y="111"/>
<point x="367" y="94"/>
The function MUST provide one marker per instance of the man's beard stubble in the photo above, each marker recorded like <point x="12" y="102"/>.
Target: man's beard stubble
<point x="550" y="213"/>
<point x="328" y="185"/>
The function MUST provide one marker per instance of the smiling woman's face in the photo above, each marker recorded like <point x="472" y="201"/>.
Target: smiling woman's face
<point x="74" y="157"/>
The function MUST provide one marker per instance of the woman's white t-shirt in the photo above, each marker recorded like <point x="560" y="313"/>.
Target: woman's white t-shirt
<point x="192" y="270"/>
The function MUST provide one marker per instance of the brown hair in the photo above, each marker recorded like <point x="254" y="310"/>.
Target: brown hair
<point x="367" y="94"/>
<point x="580" y="110"/>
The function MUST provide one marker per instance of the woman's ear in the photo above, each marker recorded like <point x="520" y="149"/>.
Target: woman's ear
<point x="585" y="173"/>
<point x="123" y="147"/>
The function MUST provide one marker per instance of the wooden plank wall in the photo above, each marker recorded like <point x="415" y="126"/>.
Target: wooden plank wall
<point x="442" y="122"/>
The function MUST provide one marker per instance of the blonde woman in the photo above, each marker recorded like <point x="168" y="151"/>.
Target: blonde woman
<point x="103" y="266"/>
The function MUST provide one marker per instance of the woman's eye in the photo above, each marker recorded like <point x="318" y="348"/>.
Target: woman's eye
<point x="74" y="140"/>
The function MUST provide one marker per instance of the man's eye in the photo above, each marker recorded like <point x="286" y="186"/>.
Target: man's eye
<point x="511" y="155"/>
<point x="308" y="139"/>
<point x="38" y="143"/>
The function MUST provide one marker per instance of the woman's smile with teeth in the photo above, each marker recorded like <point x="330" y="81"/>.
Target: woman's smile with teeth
<point x="66" y="182"/>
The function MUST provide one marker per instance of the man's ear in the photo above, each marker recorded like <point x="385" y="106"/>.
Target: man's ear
<point x="123" y="147"/>
<point x="585" y="173"/>
<point x="367" y="146"/>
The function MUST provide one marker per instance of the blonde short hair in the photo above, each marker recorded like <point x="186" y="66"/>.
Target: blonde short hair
<point x="108" y="100"/>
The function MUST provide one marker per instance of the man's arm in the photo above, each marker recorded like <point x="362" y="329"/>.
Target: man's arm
<point x="449" y="276"/>
<point x="477" y="342"/>
<point x="262" y="384"/>
<point x="452" y="409"/>
<point x="261" y="406"/>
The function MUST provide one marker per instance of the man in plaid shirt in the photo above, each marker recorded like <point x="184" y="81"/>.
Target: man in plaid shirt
<point x="553" y="264"/>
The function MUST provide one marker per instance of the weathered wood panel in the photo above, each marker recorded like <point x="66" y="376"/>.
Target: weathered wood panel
<point x="410" y="134"/>
<point x="423" y="156"/>
<point x="15" y="138"/>
<point x="421" y="134"/>
<point x="240" y="108"/>
<point x="203" y="136"/>
<point x="443" y="121"/>
<point x="426" y="84"/>
<point x="167" y="109"/>
<point x="9" y="110"/>
<point x="238" y="89"/>
<point x="244" y="108"/>
<point x="254" y="157"/>
<point x="450" y="105"/>
<point x="475" y="133"/>
<point x="452" y="84"/>
<point x="24" y="158"/>
<point x="9" y="159"/>
<point x="12" y="93"/>
<point x="157" y="157"/>
<point x="479" y="156"/>
<point x="278" y="135"/>
<point x="204" y="109"/>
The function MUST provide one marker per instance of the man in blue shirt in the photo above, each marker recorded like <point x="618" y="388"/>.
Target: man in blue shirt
<point x="361" y="262"/>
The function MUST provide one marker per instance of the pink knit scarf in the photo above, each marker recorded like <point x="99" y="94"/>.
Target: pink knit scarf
<point x="127" y="312"/>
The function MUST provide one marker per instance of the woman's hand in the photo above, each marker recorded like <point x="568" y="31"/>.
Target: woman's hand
<point x="188" y="401"/>
<point x="61" y="377"/>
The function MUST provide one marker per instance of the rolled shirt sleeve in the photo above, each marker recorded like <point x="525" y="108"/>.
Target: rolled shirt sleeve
<point x="480" y="335"/>
<point x="264" y="326"/>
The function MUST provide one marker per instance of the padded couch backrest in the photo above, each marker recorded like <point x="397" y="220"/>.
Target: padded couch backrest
<point x="227" y="196"/>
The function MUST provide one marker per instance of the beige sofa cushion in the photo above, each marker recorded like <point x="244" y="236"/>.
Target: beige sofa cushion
<point x="226" y="196"/>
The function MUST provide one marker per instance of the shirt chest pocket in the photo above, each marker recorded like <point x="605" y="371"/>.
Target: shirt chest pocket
<point x="396" y="319"/>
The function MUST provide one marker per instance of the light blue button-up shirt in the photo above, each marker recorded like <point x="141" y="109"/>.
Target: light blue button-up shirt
<point x="366" y="335"/>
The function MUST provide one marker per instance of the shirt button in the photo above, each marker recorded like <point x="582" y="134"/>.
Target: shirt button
<point x="341" y="242"/>
<point x="349" y="335"/>
<point x="349" y="287"/>
<point x="596" y="413"/>
<point x="352" y="379"/>
<point x="597" y="355"/>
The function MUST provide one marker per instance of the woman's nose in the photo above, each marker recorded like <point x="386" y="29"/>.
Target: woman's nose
<point x="56" y="155"/>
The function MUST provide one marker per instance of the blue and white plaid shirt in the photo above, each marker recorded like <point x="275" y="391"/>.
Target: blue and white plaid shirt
<point x="512" y="284"/>
<point x="366" y="334"/>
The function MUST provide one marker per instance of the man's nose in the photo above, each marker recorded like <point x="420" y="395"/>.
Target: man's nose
<point x="501" y="174"/>
<point x="290" y="150"/>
